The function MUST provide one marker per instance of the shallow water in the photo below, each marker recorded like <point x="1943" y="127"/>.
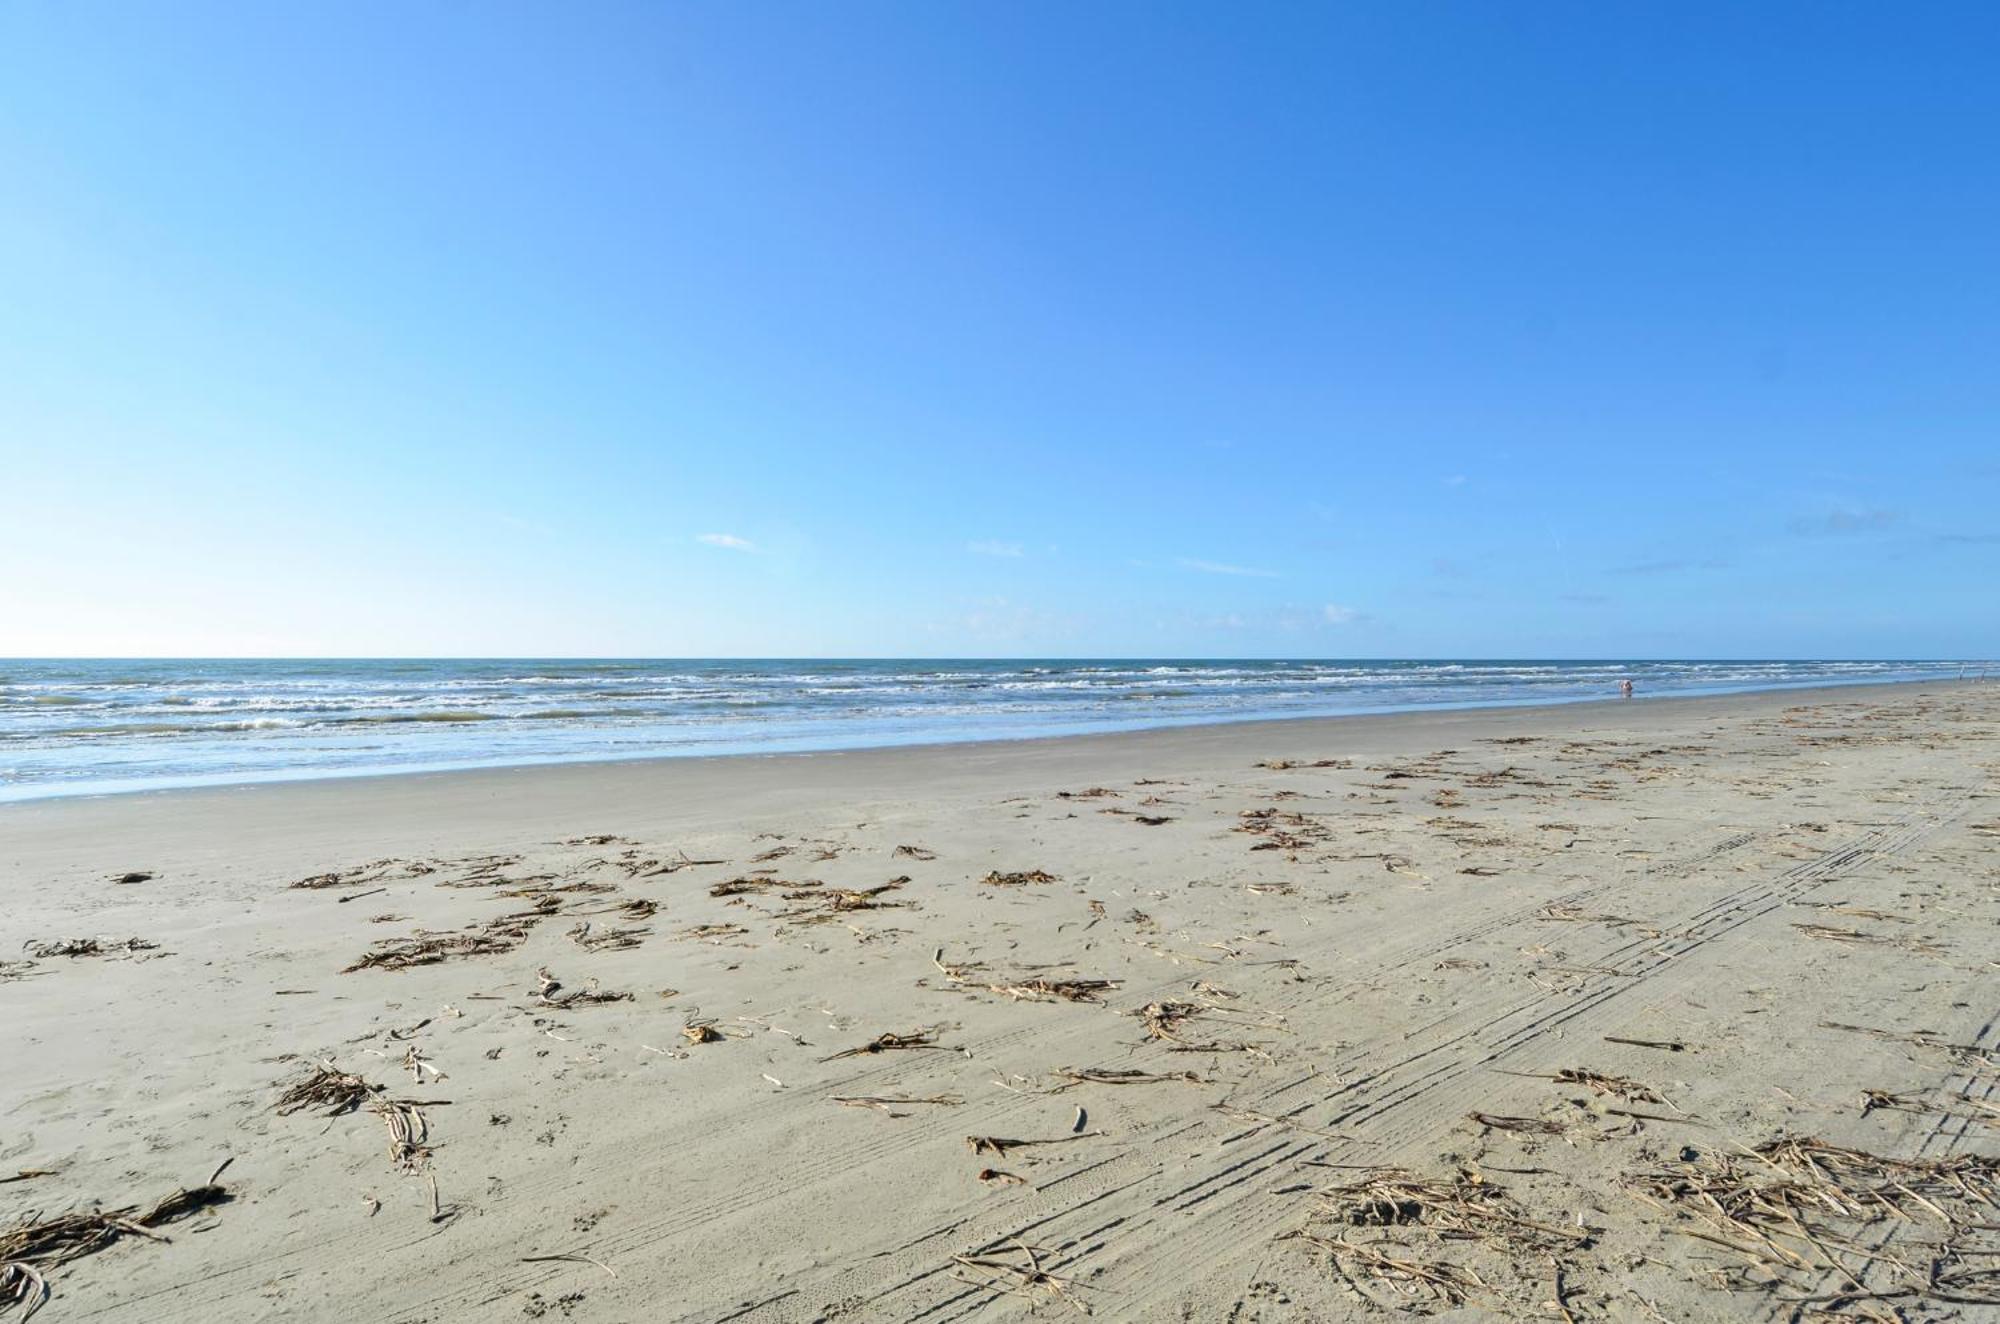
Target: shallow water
<point x="85" y="727"/>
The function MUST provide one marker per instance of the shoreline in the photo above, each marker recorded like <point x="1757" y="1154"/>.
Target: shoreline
<point x="585" y="763"/>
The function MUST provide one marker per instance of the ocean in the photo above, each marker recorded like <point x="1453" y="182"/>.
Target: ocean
<point x="93" y="727"/>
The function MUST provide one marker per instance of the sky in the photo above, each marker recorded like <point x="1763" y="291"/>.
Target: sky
<point x="1036" y="329"/>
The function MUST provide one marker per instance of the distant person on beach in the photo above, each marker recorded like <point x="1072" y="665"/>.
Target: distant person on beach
<point x="1625" y="687"/>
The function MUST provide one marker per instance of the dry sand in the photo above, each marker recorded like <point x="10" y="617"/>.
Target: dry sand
<point x="1743" y="914"/>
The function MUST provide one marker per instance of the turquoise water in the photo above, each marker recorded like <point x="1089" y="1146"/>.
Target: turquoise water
<point x="88" y="727"/>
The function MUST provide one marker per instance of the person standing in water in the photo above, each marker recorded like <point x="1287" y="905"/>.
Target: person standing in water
<point x="1625" y="687"/>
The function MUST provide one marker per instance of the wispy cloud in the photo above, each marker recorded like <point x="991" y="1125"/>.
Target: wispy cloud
<point x="1004" y="620"/>
<point x="989" y="547"/>
<point x="1222" y="568"/>
<point x="1841" y="522"/>
<point x="1586" y="599"/>
<point x="1291" y="618"/>
<point x="728" y="540"/>
<point x="1455" y="480"/>
<point x="1975" y="538"/>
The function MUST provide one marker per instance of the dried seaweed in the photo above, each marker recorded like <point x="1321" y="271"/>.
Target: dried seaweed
<point x="326" y="1087"/>
<point x="1794" y="1210"/>
<point x="1056" y="990"/>
<point x="713" y="932"/>
<point x="1020" y="879"/>
<point x="1115" y="1076"/>
<point x="551" y="993"/>
<point x="1371" y="1229"/>
<point x="1027" y="990"/>
<point x="36" y="1243"/>
<point x="73" y="947"/>
<point x="429" y="948"/>
<point x="998" y="1147"/>
<point x="608" y="940"/>
<point x="1029" y="1279"/>
<point x="1830" y="933"/>
<point x="891" y="1042"/>
<point x="889" y="1103"/>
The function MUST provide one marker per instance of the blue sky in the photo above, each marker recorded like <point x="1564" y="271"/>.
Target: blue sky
<point x="949" y="329"/>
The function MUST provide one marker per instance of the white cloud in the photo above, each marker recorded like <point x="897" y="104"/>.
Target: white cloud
<point x="988" y="547"/>
<point x="729" y="540"/>
<point x="1455" y="480"/>
<point x="1220" y="568"/>
<point x="1334" y="614"/>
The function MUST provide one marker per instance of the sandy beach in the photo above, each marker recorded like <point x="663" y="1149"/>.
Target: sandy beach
<point x="1489" y="1014"/>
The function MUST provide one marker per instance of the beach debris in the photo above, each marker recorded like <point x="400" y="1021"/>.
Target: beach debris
<point x="821" y="903"/>
<point x="713" y="932"/>
<point x="1144" y="820"/>
<point x="1123" y="1076"/>
<point x="635" y="908"/>
<point x="1564" y="912"/>
<point x="440" y="1213"/>
<point x="425" y="948"/>
<point x="957" y="974"/>
<point x="17" y="970"/>
<point x="1965" y="1055"/>
<point x="888" y="1104"/>
<point x="409" y="1135"/>
<point x="1529" y="1125"/>
<point x="550" y="993"/>
<point x="995" y="1177"/>
<point x="575" y="1256"/>
<point x="74" y="947"/>
<point x="326" y="1087"/>
<point x="1019" y="879"/>
<point x="608" y="940"/>
<point x="379" y="871"/>
<point x="914" y="853"/>
<point x="36" y="1244"/>
<point x="1028" y="1279"/>
<point x="750" y="885"/>
<point x="1795" y="1209"/>
<point x="891" y="1042"/>
<point x="418" y="1066"/>
<point x="1164" y="1019"/>
<point x="1027" y="990"/>
<point x="1057" y="990"/>
<point x="700" y="1032"/>
<point x="1668" y="1045"/>
<point x="1619" y="1087"/>
<point x="1285" y="765"/>
<point x="998" y="1147"/>
<point x="1371" y="1230"/>
<point x="23" y="1287"/>
<point x="1281" y="829"/>
<point x="127" y="879"/>
<point x="661" y="867"/>
<point x="1831" y="933"/>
